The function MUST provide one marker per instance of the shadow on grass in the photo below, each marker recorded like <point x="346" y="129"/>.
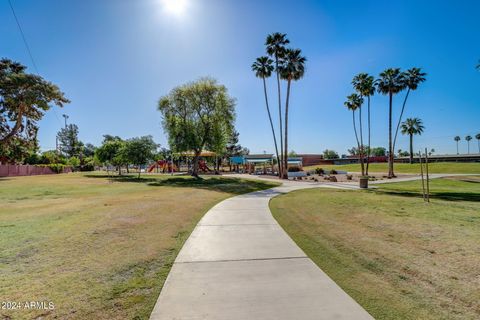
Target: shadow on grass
<point x="221" y="184"/>
<point x="448" y="196"/>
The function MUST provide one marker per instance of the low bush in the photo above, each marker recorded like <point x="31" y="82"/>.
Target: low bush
<point x="333" y="171"/>
<point x="294" y="169"/>
<point x="319" y="171"/>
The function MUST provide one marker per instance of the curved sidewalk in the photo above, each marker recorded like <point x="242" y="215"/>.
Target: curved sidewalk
<point x="238" y="263"/>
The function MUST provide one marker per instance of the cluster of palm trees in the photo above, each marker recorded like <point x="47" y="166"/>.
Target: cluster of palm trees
<point x="468" y="138"/>
<point x="288" y="65"/>
<point x="390" y="82"/>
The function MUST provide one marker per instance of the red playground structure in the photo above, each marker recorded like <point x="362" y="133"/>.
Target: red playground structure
<point x="202" y="165"/>
<point x="164" y="165"/>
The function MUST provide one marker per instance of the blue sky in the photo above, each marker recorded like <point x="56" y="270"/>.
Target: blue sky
<point x="115" y="58"/>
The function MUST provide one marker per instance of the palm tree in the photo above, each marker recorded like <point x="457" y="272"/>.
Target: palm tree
<point x="390" y="83"/>
<point x="275" y="44"/>
<point x="457" y="139"/>
<point x="412" y="126"/>
<point x="468" y="138"/>
<point x="292" y="69"/>
<point x="354" y="102"/>
<point x="412" y="78"/>
<point x="263" y="69"/>
<point x="364" y="84"/>
<point x="477" y="136"/>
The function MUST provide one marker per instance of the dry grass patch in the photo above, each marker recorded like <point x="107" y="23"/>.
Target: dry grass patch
<point x="397" y="256"/>
<point x="98" y="248"/>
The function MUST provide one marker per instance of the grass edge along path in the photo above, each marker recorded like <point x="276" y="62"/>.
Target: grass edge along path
<point x="396" y="256"/>
<point x="99" y="247"/>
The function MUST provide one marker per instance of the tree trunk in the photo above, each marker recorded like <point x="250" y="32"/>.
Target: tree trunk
<point x="369" y="135"/>
<point x="390" y="145"/>
<point x="139" y="171"/>
<point x="18" y="125"/>
<point x="361" y="150"/>
<point x="271" y="123"/>
<point x="457" y="147"/>
<point x="411" y="148"/>
<point x="195" y="164"/>
<point x="400" y="118"/>
<point x="285" y="153"/>
<point x="478" y="145"/>
<point x="356" y="138"/>
<point x="280" y="162"/>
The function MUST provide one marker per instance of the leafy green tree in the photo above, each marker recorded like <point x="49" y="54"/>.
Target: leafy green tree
<point x="468" y="139"/>
<point x="378" y="152"/>
<point x="74" y="162"/>
<point x="364" y="84"/>
<point x="69" y="144"/>
<point x="354" y="102"/>
<point x="52" y="157"/>
<point x="110" y="153"/>
<point x="263" y="68"/>
<point x="88" y="150"/>
<point x="24" y="98"/>
<point x="457" y="139"/>
<point x="412" y="126"/>
<point x="276" y="48"/>
<point x="18" y="150"/>
<point x="330" y="154"/>
<point x="198" y="115"/>
<point x="390" y="83"/>
<point x="477" y="136"/>
<point x="411" y="79"/>
<point x="139" y="151"/>
<point x="234" y="148"/>
<point x="291" y="69"/>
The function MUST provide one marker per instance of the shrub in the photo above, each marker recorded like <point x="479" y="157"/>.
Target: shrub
<point x="294" y="169"/>
<point x="333" y="171"/>
<point x="56" y="167"/>
<point x="319" y="171"/>
<point x="349" y="177"/>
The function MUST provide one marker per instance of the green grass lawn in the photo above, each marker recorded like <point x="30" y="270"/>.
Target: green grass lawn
<point x="434" y="167"/>
<point x="399" y="257"/>
<point x="98" y="248"/>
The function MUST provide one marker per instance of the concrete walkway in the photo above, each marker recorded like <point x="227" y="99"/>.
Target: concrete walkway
<point x="238" y="263"/>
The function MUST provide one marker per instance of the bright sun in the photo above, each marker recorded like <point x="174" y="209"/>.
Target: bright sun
<point x="174" y="7"/>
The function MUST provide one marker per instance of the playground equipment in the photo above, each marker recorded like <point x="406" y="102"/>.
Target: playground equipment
<point x="164" y="165"/>
<point x="203" y="166"/>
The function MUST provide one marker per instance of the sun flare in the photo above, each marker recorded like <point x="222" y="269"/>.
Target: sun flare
<point x="174" y="7"/>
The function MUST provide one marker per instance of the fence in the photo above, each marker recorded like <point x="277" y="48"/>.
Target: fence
<point x="13" y="170"/>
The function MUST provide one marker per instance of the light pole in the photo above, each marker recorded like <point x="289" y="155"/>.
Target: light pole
<point x="66" y="117"/>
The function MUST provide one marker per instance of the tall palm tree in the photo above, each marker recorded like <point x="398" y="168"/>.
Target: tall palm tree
<point x="390" y="83"/>
<point x="263" y="68"/>
<point x="276" y="47"/>
<point x="457" y="139"/>
<point x="412" y="126"/>
<point x="477" y="136"/>
<point x="292" y="69"/>
<point x="364" y="84"/>
<point x="468" y="138"/>
<point x="412" y="78"/>
<point x="354" y="102"/>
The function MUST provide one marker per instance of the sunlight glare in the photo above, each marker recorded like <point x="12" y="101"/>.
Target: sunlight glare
<point x="174" y="7"/>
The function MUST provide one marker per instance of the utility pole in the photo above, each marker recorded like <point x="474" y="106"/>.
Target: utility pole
<point x="66" y="117"/>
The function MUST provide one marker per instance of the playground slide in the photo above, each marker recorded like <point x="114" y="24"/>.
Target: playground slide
<point x="202" y="166"/>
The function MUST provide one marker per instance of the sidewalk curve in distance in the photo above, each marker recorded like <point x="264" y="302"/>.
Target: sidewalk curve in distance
<point x="239" y="264"/>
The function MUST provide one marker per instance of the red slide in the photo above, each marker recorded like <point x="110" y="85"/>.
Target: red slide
<point x="203" y="166"/>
